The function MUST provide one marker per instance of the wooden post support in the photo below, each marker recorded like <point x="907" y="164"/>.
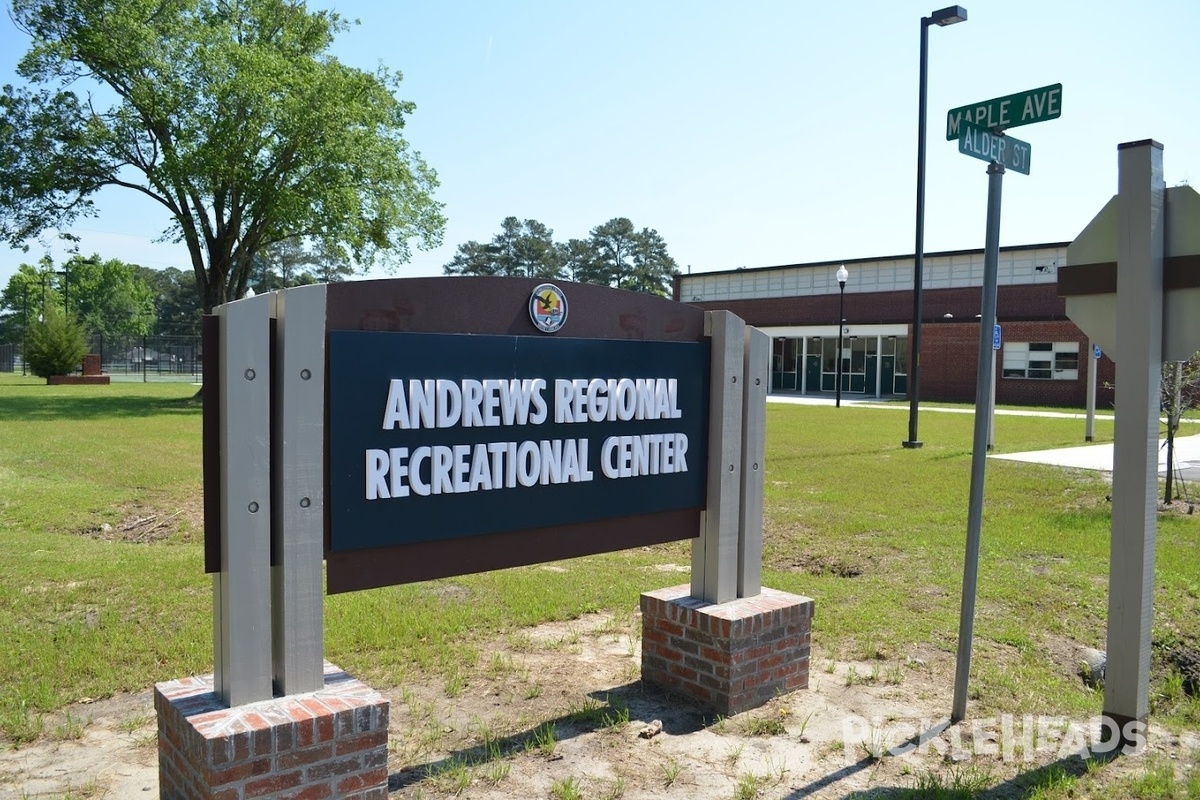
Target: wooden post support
<point x="297" y="530"/>
<point x="242" y="589"/>
<point x="756" y="358"/>
<point x="715" y="551"/>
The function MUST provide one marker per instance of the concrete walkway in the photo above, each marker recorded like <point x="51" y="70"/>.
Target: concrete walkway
<point x="1092" y="456"/>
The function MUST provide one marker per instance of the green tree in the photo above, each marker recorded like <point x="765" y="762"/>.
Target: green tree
<point x="614" y="254"/>
<point x="630" y="259"/>
<point x="578" y="258"/>
<point x="521" y="249"/>
<point x="108" y="297"/>
<point x="57" y="344"/>
<point x="177" y="305"/>
<point x="21" y="302"/>
<point x="292" y="262"/>
<point x="233" y="116"/>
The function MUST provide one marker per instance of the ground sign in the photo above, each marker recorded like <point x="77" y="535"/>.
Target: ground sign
<point x="1000" y="113"/>
<point x="406" y="430"/>
<point x="472" y="424"/>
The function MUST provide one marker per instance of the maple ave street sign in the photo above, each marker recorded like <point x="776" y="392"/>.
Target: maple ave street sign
<point x="1022" y="108"/>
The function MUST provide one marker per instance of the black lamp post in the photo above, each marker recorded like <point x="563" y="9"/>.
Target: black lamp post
<point x="66" y="273"/>
<point x="941" y="18"/>
<point x="842" y="275"/>
<point x="24" y="326"/>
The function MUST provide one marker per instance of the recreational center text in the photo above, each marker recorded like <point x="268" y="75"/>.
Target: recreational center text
<point x="456" y="468"/>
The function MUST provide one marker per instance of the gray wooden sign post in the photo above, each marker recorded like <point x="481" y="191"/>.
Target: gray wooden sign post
<point x="727" y="556"/>
<point x="1139" y="361"/>
<point x="267" y="619"/>
<point x="242" y="588"/>
<point x="1151" y="232"/>
<point x="715" y="551"/>
<point x="298" y="535"/>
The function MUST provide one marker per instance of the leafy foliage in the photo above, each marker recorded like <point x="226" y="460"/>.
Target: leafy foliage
<point x="57" y="344"/>
<point x="521" y="249"/>
<point x="108" y="297"/>
<point x="232" y="116"/>
<point x="614" y="254"/>
<point x="293" y="263"/>
<point x="175" y="299"/>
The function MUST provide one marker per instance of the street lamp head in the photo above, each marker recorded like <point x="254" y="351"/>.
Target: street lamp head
<point x="842" y="275"/>
<point x="948" y="16"/>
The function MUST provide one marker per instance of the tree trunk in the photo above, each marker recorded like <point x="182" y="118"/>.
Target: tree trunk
<point x="1173" y="414"/>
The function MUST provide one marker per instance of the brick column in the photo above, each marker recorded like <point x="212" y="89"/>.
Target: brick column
<point x="331" y="743"/>
<point x="730" y="656"/>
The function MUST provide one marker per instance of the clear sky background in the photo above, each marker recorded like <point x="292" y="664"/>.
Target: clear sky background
<point x="749" y="134"/>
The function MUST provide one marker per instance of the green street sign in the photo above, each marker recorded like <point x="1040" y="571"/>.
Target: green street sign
<point x="1022" y="108"/>
<point x="987" y="146"/>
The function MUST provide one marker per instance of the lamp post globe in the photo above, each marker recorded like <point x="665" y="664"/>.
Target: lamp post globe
<point x="842" y="276"/>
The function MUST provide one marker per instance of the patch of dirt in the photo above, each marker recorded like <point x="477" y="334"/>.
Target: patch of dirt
<point x="142" y="523"/>
<point x="1178" y="507"/>
<point x="826" y="565"/>
<point x="562" y="704"/>
<point x="1187" y="661"/>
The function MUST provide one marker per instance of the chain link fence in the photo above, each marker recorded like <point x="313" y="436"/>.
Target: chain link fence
<point x="131" y="358"/>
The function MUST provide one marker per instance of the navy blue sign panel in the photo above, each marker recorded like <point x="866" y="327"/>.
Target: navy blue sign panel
<point x="443" y="436"/>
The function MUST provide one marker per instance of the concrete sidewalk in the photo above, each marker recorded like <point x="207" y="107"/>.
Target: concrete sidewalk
<point x="1100" y="457"/>
<point x="1093" y="456"/>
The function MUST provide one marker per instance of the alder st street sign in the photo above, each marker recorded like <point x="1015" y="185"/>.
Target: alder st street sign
<point x="997" y="114"/>
<point x="987" y="146"/>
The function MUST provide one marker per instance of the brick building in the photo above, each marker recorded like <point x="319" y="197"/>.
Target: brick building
<point x="1044" y="359"/>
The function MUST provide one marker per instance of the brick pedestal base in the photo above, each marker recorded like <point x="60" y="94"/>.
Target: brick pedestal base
<point x="731" y="657"/>
<point x="326" y="744"/>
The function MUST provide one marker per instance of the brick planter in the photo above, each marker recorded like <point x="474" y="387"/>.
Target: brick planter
<point x="730" y="657"/>
<point x="325" y="744"/>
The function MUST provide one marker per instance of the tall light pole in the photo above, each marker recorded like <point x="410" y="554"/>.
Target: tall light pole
<point x="842" y="275"/>
<point x="66" y="273"/>
<point x="25" y="326"/>
<point x="941" y="18"/>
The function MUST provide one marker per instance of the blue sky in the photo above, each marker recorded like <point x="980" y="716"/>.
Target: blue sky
<point x="747" y="134"/>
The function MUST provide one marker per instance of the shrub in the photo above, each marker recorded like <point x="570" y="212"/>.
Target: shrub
<point x="57" y="344"/>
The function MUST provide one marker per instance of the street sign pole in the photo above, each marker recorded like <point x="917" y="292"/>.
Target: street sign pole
<point x="991" y="440"/>
<point x="1093" y="367"/>
<point x="983" y="413"/>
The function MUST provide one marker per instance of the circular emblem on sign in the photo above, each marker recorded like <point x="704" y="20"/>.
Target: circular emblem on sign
<point x="548" y="308"/>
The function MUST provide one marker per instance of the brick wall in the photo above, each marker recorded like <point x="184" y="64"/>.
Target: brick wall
<point x="732" y="656"/>
<point x="1027" y="313"/>
<point x="950" y="351"/>
<point x="326" y="744"/>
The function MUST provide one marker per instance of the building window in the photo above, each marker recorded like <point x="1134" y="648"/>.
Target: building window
<point x="1044" y="361"/>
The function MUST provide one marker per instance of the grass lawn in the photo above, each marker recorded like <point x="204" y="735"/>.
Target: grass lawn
<point x="875" y="533"/>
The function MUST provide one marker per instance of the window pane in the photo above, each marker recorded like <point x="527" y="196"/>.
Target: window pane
<point x="1066" y="360"/>
<point x="1040" y="374"/>
<point x="1014" y="373"/>
<point x="1045" y="346"/>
